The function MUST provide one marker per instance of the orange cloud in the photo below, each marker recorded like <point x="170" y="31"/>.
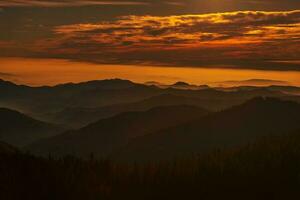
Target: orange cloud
<point x="133" y="32"/>
<point x="242" y="39"/>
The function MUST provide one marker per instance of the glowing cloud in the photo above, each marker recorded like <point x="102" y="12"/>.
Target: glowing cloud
<point x="241" y="39"/>
<point x="188" y="30"/>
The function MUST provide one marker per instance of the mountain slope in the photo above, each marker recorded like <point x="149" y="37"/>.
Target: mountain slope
<point x="7" y="149"/>
<point x="19" y="130"/>
<point x="239" y="125"/>
<point x="107" y="135"/>
<point x="79" y="117"/>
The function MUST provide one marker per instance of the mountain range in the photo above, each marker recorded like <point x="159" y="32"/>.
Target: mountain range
<point x="120" y="119"/>
<point x="105" y="136"/>
<point x="75" y="105"/>
<point x="211" y="99"/>
<point x="172" y="131"/>
<point x="239" y="125"/>
<point x="75" y="117"/>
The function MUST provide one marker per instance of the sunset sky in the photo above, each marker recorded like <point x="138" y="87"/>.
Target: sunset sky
<point x="45" y="42"/>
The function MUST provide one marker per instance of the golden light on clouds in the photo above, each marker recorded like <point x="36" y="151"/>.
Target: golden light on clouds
<point x="256" y="40"/>
<point x="215" y="39"/>
<point x="187" y="30"/>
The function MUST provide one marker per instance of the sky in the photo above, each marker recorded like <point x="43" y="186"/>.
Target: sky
<point x="198" y="41"/>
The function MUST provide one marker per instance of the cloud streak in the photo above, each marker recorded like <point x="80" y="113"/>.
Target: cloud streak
<point x="5" y="75"/>
<point x="65" y="3"/>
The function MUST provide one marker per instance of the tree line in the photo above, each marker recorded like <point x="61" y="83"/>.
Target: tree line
<point x="266" y="169"/>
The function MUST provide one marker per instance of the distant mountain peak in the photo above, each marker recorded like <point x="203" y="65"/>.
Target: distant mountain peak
<point x="116" y="80"/>
<point x="181" y="84"/>
<point x="101" y="84"/>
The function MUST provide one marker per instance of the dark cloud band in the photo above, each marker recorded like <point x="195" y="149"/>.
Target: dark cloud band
<point x="46" y="3"/>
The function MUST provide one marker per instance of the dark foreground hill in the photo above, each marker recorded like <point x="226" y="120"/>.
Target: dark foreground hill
<point x="7" y="149"/>
<point x="108" y="135"/>
<point x="239" y="125"/>
<point x="266" y="169"/>
<point x="19" y="130"/>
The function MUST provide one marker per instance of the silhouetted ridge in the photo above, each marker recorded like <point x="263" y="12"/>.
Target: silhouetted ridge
<point x="7" y="149"/>
<point x="80" y="117"/>
<point x="100" y="84"/>
<point x="5" y="83"/>
<point x="19" y="129"/>
<point x="268" y="105"/>
<point x="12" y="118"/>
<point x="180" y="83"/>
<point x="169" y="99"/>
<point x="8" y="88"/>
<point x="239" y="125"/>
<point x="44" y="102"/>
<point x="107" y="135"/>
